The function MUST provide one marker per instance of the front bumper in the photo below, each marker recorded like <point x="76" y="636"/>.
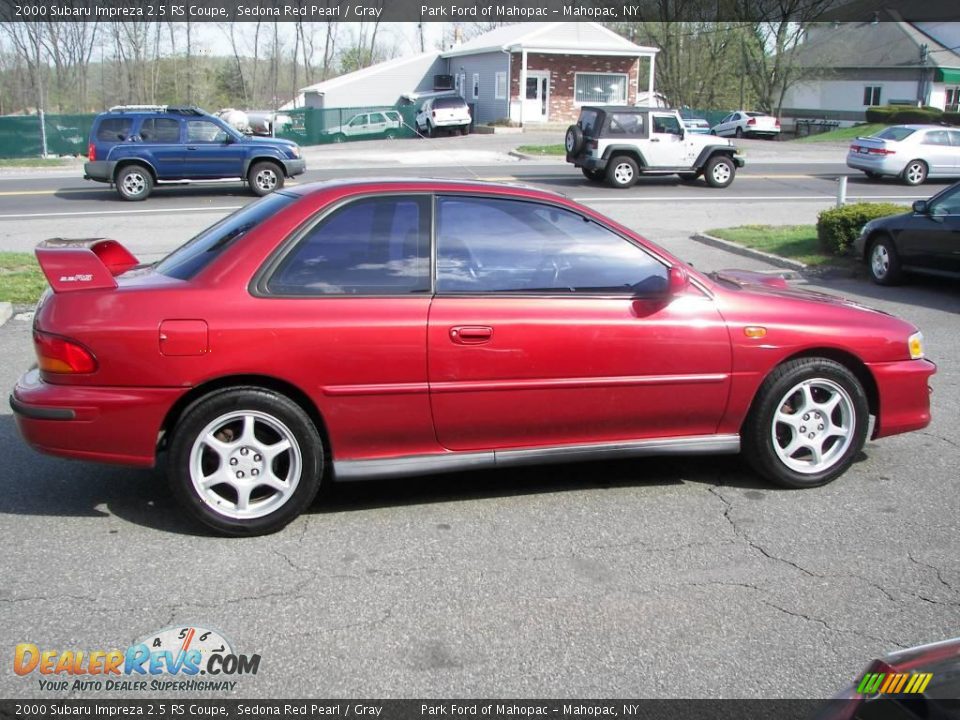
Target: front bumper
<point x="99" y="170"/>
<point x="904" y="396"/>
<point x="102" y="424"/>
<point x="739" y="161"/>
<point x="294" y="167"/>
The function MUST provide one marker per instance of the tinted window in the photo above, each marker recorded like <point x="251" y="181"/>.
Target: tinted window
<point x="374" y="246"/>
<point x="588" y="121"/>
<point x="358" y="120"/>
<point x="666" y="124"/>
<point x="954" y="137"/>
<point x="491" y="245"/>
<point x="947" y="204"/>
<point x="894" y="133"/>
<point x="377" y="118"/>
<point x="115" y="129"/>
<point x="449" y="103"/>
<point x="626" y="124"/>
<point x="160" y="130"/>
<point x="204" y="131"/>
<point x="189" y="259"/>
<point x="936" y="137"/>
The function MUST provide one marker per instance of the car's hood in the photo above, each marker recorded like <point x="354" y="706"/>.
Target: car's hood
<point x="764" y="285"/>
<point x="702" y="139"/>
<point x="275" y="141"/>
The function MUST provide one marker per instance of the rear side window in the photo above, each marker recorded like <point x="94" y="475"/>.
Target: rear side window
<point x="448" y="104"/>
<point x="373" y="246"/>
<point x="627" y="124"/>
<point x="192" y="257"/>
<point x="114" y="129"/>
<point x="936" y="137"/>
<point x="160" y="130"/>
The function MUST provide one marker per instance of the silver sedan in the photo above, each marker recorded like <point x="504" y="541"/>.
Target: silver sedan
<point x="912" y="153"/>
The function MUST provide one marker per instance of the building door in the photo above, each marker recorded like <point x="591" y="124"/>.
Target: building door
<point x="536" y="96"/>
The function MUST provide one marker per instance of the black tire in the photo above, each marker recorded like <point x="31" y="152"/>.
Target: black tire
<point x="593" y="175"/>
<point x="265" y="177"/>
<point x="465" y="130"/>
<point x="431" y="130"/>
<point x="739" y="133"/>
<point x="883" y="262"/>
<point x="688" y="178"/>
<point x="780" y="392"/>
<point x="573" y="140"/>
<point x="276" y="417"/>
<point x="719" y="171"/>
<point x="871" y="175"/>
<point x="713" y="132"/>
<point x="915" y="173"/>
<point x="339" y="138"/>
<point x="390" y="135"/>
<point x="622" y="171"/>
<point x="134" y="182"/>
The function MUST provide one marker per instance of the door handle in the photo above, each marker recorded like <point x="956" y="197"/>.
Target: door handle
<point x="654" y="139"/>
<point x="471" y="334"/>
<point x="191" y="147"/>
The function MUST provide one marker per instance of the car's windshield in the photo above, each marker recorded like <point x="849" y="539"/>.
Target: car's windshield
<point x="191" y="257"/>
<point x="894" y="133"/>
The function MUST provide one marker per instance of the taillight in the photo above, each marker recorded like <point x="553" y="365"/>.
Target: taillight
<point x="593" y="144"/>
<point x="752" y="121"/>
<point x="433" y="113"/>
<point x="882" y="151"/>
<point x="778" y="123"/>
<point x="59" y="355"/>
<point x="91" y="152"/>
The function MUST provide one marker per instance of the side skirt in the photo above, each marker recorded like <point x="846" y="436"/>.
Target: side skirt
<point x="413" y="465"/>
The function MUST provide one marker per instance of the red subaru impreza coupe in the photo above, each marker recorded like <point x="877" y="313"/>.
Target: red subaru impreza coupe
<point x="370" y="329"/>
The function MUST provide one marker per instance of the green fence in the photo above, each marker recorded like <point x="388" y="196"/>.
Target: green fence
<point x="20" y="136"/>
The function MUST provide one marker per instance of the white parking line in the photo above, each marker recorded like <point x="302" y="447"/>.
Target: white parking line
<point x="219" y="208"/>
<point x="742" y="198"/>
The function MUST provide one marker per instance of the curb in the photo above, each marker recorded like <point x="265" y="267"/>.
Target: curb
<point x="535" y="158"/>
<point x="6" y="312"/>
<point x="749" y="252"/>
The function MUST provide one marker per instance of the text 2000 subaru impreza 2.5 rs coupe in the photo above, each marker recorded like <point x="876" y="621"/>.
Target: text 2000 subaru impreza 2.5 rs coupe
<point x="370" y="329"/>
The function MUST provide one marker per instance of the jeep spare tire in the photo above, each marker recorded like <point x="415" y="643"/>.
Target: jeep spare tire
<point x="573" y="141"/>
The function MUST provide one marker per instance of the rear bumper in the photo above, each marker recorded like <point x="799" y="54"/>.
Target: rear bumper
<point x="102" y="424"/>
<point x="99" y="170"/>
<point x="295" y="167"/>
<point x="588" y="162"/>
<point x="880" y="164"/>
<point x="904" y="396"/>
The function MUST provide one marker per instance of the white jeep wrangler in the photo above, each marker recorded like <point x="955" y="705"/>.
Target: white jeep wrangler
<point x="619" y="144"/>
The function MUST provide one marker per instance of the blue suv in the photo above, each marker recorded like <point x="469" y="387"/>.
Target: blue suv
<point x="135" y="147"/>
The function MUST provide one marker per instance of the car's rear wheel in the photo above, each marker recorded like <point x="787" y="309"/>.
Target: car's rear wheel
<point x="245" y="461"/>
<point x="622" y="171"/>
<point x="915" y="173"/>
<point x="573" y="140"/>
<point x="134" y="182"/>
<point x="871" y="175"/>
<point x="264" y="178"/>
<point x="808" y="423"/>
<point x="719" y="171"/>
<point x="339" y="138"/>
<point x="431" y="131"/>
<point x="884" y="262"/>
<point x="593" y="175"/>
<point x="465" y="130"/>
<point x="739" y="133"/>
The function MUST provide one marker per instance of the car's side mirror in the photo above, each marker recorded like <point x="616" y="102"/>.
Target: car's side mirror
<point x="229" y="140"/>
<point x="678" y="281"/>
<point x="920" y="207"/>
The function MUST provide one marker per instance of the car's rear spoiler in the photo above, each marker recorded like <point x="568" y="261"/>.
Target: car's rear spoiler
<point x="85" y="264"/>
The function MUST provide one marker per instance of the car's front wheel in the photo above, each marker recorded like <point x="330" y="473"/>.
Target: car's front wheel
<point x="245" y="461"/>
<point x="720" y="171"/>
<point x="808" y="422"/>
<point x="134" y="182"/>
<point x="593" y="175"/>
<point x="622" y="171"/>
<point x="884" y="262"/>
<point x="390" y="134"/>
<point x="264" y="178"/>
<point x="915" y="173"/>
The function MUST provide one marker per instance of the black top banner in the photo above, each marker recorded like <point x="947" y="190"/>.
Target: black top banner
<point x="220" y="11"/>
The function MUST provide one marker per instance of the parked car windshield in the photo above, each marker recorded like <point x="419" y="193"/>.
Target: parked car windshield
<point x="191" y="257"/>
<point x="894" y="133"/>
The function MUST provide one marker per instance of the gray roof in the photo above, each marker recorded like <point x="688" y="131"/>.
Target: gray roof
<point x="890" y="44"/>
<point x="574" y="37"/>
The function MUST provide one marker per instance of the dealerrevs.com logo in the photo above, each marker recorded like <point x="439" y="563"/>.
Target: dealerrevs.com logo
<point x="172" y="659"/>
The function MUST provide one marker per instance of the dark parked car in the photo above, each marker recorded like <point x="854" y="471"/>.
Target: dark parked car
<point x="135" y="147"/>
<point x="361" y="329"/>
<point x="925" y="241"/>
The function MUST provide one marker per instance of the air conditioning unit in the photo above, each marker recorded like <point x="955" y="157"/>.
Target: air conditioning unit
<point x="443" y="82"/>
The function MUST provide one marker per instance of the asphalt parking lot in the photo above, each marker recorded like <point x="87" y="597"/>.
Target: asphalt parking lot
<point x="649" y="578"/>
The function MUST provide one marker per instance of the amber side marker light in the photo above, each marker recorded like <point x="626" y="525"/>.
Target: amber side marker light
<point x="59" y="355"/>
<point x="755" y="331"/>
<point x="915" y="343"/>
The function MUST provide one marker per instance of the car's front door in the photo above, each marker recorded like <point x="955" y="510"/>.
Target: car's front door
<point x="548" y="328"/>
<point x="667" y="146"/>
<point x="211" y="151"/>
<point x="932" y="240"/>
<point x="357" y="126"/>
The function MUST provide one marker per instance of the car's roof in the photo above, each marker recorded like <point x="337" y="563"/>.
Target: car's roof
<point x="625" y="108"/>
<point x="423" y="184"/>
<point x="925" y="126"/>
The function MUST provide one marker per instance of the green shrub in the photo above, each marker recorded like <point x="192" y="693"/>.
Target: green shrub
<point x="951" y="118"/>
<point x="880" y="113"/>
<point x="900" y="114"/>
<point x="837" y="228"/>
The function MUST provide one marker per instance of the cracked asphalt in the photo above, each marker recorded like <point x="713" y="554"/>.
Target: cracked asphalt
<point x="663" y="578"/>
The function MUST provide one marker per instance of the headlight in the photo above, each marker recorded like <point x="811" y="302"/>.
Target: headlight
<point x="915" y="344"/>
<point x="295" y="150"/>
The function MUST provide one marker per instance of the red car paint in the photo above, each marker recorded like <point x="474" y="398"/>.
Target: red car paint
<point x="386" y="378"/>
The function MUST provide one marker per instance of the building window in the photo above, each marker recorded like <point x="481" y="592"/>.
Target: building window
<point x="501" y="88"/>
<point x="600" y="88"/>
<point x="476" y="85"/>
<point x="953" y="99"/>
<point x="871" y="95"/>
